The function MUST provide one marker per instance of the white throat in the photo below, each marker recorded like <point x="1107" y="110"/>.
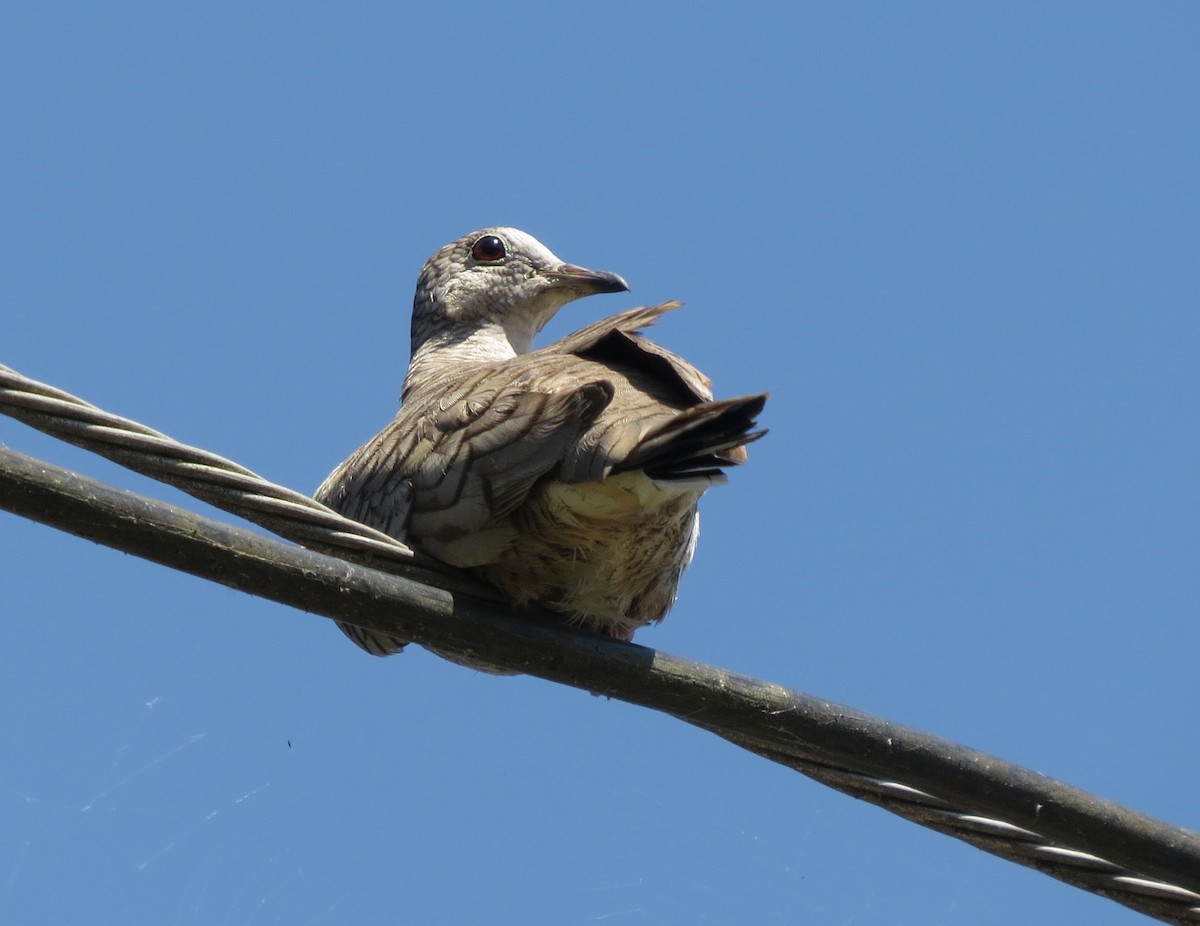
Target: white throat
<point x="448" y="352"/>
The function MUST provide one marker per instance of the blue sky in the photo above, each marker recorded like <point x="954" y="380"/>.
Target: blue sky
<point x="957" y="242"/>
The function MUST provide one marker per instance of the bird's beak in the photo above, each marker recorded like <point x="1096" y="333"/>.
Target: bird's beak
<point x="587" y="282"/>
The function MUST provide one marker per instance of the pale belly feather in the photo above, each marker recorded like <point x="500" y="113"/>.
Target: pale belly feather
<point x="607" y="555"/>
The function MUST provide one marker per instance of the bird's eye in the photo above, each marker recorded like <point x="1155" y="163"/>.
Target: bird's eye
<point x="487" y="249"/>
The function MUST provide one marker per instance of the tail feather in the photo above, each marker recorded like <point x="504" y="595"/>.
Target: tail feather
<point x="698" y="442"/>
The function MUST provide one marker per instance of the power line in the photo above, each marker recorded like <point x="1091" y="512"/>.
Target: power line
<point x="1007" y="810"/>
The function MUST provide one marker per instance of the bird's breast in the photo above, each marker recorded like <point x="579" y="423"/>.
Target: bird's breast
<point x="608" y="554"/>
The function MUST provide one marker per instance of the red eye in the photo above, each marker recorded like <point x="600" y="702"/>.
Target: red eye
<point x="487" y="249"/>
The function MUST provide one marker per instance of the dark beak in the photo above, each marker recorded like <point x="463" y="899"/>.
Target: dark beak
<point x="587" y="282"/>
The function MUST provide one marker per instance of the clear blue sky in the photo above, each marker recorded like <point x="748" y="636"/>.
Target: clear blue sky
<point x="957" y="242"/>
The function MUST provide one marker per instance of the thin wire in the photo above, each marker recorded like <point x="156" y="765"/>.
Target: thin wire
<point x="209" y="477"/>
<point x="220" y="482"/>
<point x="233" y="488"/>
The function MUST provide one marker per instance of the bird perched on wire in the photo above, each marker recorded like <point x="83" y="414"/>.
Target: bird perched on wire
<point x="566" y="477"/>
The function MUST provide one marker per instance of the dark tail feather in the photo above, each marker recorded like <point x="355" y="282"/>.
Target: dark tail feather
<point x="375" y="642"/>
<point x="699" y="441"/>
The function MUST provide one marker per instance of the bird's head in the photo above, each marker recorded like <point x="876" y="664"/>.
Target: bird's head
<point x="498" y="282"/>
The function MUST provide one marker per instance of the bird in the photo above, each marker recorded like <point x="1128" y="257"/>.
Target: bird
<point x="565" y="477"/>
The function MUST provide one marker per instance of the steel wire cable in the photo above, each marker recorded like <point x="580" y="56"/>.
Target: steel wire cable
<point x="294" y="516"/>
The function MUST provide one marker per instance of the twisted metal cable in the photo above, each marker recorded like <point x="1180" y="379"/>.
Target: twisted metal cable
<point x="1160" y="899"/>
<point x="217" y="481"/>
<point x="292" y="515"/>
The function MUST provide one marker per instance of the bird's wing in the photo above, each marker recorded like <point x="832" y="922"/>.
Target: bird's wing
<point x="662" y="418"/>
<point x="616" y="342"/>
<point x="460" y="456"/>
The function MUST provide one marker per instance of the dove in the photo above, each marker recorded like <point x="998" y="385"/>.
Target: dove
<point x="566" y="476"/>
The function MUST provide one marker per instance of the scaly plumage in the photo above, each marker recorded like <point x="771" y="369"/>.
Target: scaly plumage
<point x="566" y="476"/>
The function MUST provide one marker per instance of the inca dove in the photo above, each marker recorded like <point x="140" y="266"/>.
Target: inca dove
<point x="567" y="476"/>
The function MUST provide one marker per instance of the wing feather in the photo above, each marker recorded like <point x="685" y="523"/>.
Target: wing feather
<point x="444" y="470"/>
